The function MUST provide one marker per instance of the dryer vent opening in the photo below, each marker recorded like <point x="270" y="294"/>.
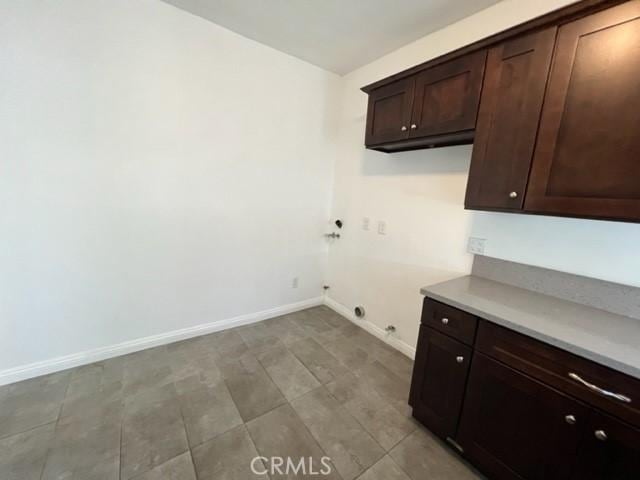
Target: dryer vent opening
<point x="359" y="311"/>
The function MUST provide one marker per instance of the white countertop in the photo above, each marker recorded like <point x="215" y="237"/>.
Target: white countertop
<point x="606" y="338"/>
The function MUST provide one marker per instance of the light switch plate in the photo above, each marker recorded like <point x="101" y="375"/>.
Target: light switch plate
<point x="382" y="227"/>
<point x="476" y="245"/>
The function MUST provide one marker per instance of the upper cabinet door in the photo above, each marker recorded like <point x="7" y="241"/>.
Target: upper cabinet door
<point x="611" y="451"/>
<point x="587" y="159"/>
<point x="389" y="112"/>
<point x="512" y="96"/>
<point x="447" y="96"/>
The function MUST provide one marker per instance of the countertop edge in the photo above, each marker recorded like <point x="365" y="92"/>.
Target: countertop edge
<point x="536" y="334"/>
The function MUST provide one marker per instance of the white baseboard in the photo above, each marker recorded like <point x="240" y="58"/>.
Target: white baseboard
<point x="83" y="358"/>
<point x="373" y="329"/>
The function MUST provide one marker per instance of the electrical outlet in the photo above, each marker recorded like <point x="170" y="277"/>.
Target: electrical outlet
<point x="382" y="227"/>
<point x="365" y="223"/>
<point x="294" y="282"/>
<point x="476" y="245"/>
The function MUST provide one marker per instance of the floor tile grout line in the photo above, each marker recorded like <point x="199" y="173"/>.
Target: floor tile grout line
<point x="314" y="438"/>
<point x="253" y="442"/>
<point x="193" y="464"/>
<point x="362" y="424"/>
<point x="28" y="430"/>
<point x="328" y="353"/>
<point x="55" y="428"/>
<point x="138" y="475"/>
<point x="121" y="436"/>
<point x="404" y="470"/>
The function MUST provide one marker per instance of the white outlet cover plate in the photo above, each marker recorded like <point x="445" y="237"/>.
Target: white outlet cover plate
<point x="382" y="227"/>
<point x="476" y="245"/>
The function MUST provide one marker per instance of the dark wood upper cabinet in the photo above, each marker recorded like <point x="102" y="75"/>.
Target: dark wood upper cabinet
<point x="609" y="451"/>
<point x="447" y="97"/>
<point x="433" y="108"/>
<point x="389" y="112"/>
<point x="439" y="380"/>
<point x="514" y="427"/>
<point x="587" y="159"/>
<point x="514" y="86"/>
<point x="552" y="107"/>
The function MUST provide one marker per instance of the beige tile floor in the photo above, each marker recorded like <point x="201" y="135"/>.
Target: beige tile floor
<point x="308" y="384"/>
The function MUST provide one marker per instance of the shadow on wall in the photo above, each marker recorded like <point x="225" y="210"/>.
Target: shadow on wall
<point x="437" y="161"/>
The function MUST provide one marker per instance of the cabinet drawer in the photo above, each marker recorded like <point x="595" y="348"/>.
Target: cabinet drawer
<point x="567" y="372"/>
<point x="451" y="321"/>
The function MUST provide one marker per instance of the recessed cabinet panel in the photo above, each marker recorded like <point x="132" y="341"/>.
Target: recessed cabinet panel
<point x="514" y="427"/>
<point x="439" y="379"/>
<point x="609" y="451"/>
<point x="587" y="159"/>
<point x="510" y="107"/>
<point x="389" y="112"/>
<point x="447" y="97"/>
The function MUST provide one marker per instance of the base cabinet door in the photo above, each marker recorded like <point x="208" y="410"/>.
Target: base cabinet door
<point x="439" y="379"/>
<point x="514" y="427"/>
<point x="609" y="451"/>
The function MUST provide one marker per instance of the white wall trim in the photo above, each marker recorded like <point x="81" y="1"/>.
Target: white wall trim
<point x="370" y="327"/>
<point x="83" y="358"/>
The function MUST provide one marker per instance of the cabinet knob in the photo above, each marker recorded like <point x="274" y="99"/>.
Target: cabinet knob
<point x="513" y="195"/>
<point x="413" y="126"/>
<point x="600" y="435"/>
<point x="445" y="321"/>
<point x="570" y="419"/>
<point x="404" y="129"/>
<point x="460" y="359"/>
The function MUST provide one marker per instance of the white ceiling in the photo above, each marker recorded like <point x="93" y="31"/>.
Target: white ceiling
<point x="337" y="35"/>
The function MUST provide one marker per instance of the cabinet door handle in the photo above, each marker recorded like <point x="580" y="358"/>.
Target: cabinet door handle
<point x="570" y="419"/>
<point x="601" y="391"/>
<point x="413" y="126"/>
<point x="601" y="435"/>
<point x="404" y="129"/>
<point x="460" y="359"/>
<point x="444" y="320"/>
<point x="513" y="195"/>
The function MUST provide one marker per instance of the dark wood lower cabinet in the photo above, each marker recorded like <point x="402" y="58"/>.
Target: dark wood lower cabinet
<point x="610" y="450"/>
<point x="514" y="427"/>
<point x="439" y="380"/>
<point x="505" y="401"/>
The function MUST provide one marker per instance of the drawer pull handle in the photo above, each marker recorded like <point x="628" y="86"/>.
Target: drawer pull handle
<point x="601" y="391"/>
<point x="570" y="419"/>
<point x="445" y="321"/>
<point x="601" y="435"/>
<point x="460" y="359"/>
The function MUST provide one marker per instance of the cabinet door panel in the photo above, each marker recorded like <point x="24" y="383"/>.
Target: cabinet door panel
<point x="616" y="456"/>
<point x="389" y="112"/>
<point x="514" y="427"/>
<point x="447" y="96"/>
<point x="587" y="159"/>
<point x="439" y="379"/>
<point x="514" y="85"/>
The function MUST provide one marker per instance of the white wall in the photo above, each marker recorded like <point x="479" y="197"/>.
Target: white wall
<point x="157" y="172"/>
<point x="420" y="195"/>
